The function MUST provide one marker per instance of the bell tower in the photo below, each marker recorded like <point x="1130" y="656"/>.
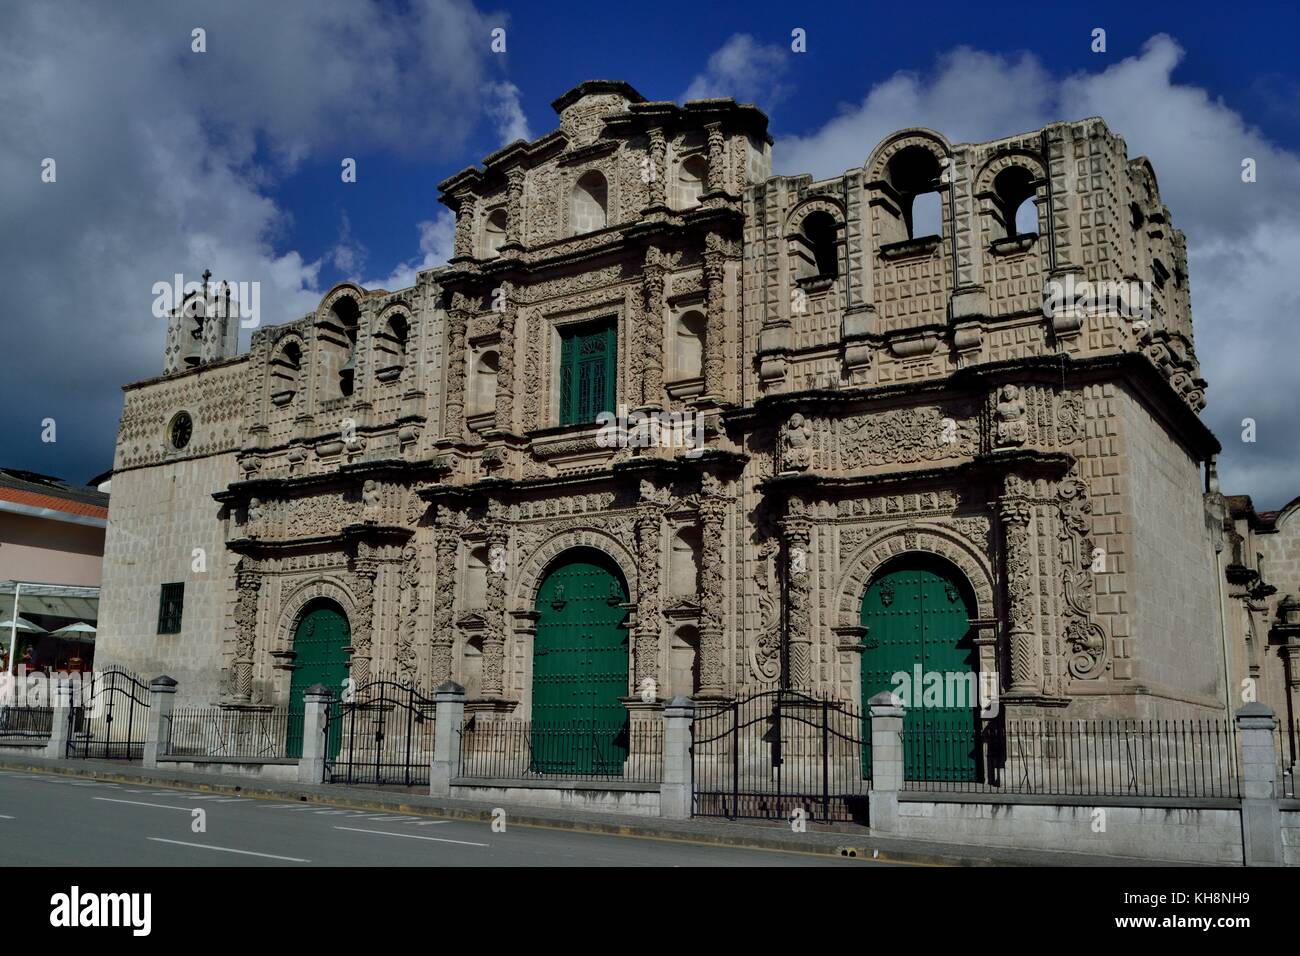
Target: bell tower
<point x="202" y="328"/>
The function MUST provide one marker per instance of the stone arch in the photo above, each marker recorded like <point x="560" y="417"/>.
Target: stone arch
<point x="292" y="604"/>
<point x="827" y="204"/>
<point x="344" y="290"/>
<point x="534" y="567"/>
<point x="918" y="538"/>
<point x="878" y="162"/>
<point x="1004" y="160"/>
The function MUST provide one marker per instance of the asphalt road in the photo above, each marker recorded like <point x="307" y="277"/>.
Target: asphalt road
<point x="52" y="820"/>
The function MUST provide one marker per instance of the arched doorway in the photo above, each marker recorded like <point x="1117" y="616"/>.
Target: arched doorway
<point x="321" y="643"/>
<point x="580" y="665"/>
<point x="920" y="645"/>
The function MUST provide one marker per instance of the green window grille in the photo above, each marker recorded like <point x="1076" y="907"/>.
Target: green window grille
<point x="587" y="372"/>
<point x="171" y="602"/>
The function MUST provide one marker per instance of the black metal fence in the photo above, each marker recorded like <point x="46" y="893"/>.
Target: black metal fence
<point x="632" y="752"/>
<point x="1142" y="758"/>
<point x="109" y="716"/>
<point x="1288" y="757"/>
<point x="382" y="735"/>
<point x="235" y="734"/>
<point x="26" y="721"/>
<point x="777" y="752"/>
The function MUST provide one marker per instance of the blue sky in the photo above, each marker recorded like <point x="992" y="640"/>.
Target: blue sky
<point x="174" y="161"/>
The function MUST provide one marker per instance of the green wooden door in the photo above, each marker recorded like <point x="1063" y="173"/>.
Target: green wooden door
<point x="587" y="372"/>
<point x="320" y="657"/>
<point x="917" y="616"/>
<point x="580" y="657"/>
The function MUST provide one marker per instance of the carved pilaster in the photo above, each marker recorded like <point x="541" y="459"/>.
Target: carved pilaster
<point x="652" y="330"/>
<point x="494" y="635"/>
<point x="1017" y="516"/>
<point x="1085" y="638"/>
<point x="514" y="208"/>
<point x="716" y="318"/>
<point x="656" y="154"/>
<point x="364" y="571"/>
<point x="408" y="623"/>
<point x="457" y="327"/>
<point x="649" y="620"/>
<point x="443" y="605"/>
<point x="248" y="584"/>
<point x="796" y="530"/>
<point x="464" y="242"/>
<point x="712" y="587"/>
<point x="506" y="362"/>
<point x="717" y="158"/>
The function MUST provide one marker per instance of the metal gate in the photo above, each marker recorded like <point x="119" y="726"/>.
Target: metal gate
<point x="779" y="751"/>
<point x="383" y="734"/>
<point x="109" y="716"/>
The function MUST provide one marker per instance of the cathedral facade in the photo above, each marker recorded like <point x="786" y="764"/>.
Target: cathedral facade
<point x="942" y="412"/>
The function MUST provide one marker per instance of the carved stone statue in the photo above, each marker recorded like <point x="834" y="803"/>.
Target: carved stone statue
<point x="1012" y="428"/>
<point x="796" y="444"/>
<point x="370" y="498"/>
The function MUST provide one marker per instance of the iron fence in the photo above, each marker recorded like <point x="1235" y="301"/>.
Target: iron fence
<point x="780" y="751"/>
<point x="1288" y="757"/>
<point x="26" y="721"/>
<point x="382" y="734"/>
<point x="237" y="734"/>
<point x="1142" y="758"/>
<point x="108" y="716"/>
<point x="578" y="750"/>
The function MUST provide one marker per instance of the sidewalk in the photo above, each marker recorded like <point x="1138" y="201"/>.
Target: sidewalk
<point x="836" y="840"/>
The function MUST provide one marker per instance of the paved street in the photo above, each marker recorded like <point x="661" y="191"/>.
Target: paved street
<point x="50" y="820"/>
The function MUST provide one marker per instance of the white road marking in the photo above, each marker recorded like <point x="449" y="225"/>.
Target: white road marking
<point x="226" y="849"/>
<point x="431" y="823"/>
<point x="5" y="816"/>
<point x="234" y="800"/>
<point x="138" y="803"/>
<point x="412" y="836"/>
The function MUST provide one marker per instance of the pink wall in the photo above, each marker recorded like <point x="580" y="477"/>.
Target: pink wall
<point x="49" y="552"/>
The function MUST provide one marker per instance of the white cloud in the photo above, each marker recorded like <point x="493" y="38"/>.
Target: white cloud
<point x="745" y="70"/>
<point x="437" y="236"/>
<point x="1243" y="239"/>
<point x="505" y="110"/>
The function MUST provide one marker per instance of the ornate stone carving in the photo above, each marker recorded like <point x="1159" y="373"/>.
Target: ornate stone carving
<point x="505" y="397"/>
<point x="248" y="582"/>
<point x="363" y="577"/>
<point x="765" y="655"/>
<point x="1011" y="427"/>
<point x="655" y="155"/>
<point x="1085" y="638"/>
<point x="515" y="206"/>
<point x="715" y="315"/>
<point x="532" y="376"/>
<point x="796" y="531"/>
<point x="796" y="444"/>
<point x="1017" y="515"/>
<point x="712" y="595"/>
<point x="1069" y="419"/>
<point x="717" y="158"/>
<point x="464" y="241"/>
<point x="649" y="623"/>
<point x="905" y="436"/>
<point x="494" y="636"/>
<point x="408" y="625"/>
<point x="652" y="338"/>
<point x="371" y="499"/>
<point x="446" y="543"/>
<point x="457" y="326"/>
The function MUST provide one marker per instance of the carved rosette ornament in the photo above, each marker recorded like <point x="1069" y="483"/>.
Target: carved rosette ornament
<point x="797" y="532"/>
<point x="1017" y="514"/>
<point x="656" y="154"/>
<point x="408" y="625"/>
<point x="457" y="327"/>
<point x="712" y="583"/>
<point x="652" y="340"/>
<point x="505" y="396"/>
<point x="443" y="603"/>
<point x="715" y="308"/>
<point x="1084" y="637"/>
<point x="364" y="572"/>
<point x="649" y="524"/>
<point x="248" y="583"/>
<point x="464" y="242"/>
<point x="494" y="635"/>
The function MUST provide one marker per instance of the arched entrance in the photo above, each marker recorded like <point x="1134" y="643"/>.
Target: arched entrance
<point x="321" y="644"/>
<point x="920" y="645"/>
<point x="580" y="664"/>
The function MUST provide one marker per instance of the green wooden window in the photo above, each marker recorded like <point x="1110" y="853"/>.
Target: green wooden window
<point x="587" y="371"/>
<point x="171" y="603"/>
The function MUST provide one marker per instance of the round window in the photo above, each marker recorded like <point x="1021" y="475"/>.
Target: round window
<point x="181" y="429"/>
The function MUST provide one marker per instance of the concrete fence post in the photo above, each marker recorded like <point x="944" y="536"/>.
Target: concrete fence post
<point x="316" y="702"/>
<point x="449" y="717"/>
<point x="158" y="728"/>
<point x="886" y="761"/>
<point x="675" y="783"/>
<point x="1261" y="816"/>
<point x="56" y="748"/>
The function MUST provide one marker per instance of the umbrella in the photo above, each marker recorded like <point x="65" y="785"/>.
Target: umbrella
<point x="25" y="626"/>
<point x="75" y="632"/>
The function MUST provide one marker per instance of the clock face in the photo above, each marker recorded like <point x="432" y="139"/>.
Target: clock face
<point x="181" y="430"/>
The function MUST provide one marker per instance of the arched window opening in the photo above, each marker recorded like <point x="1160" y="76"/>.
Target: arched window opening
<point x="817" y="250"/>
<point x="494" y="233"/>
<point x="692" y="174"/>
<point x="347" y="316"/>
<point x="588" y="204"/>
<point x="391" y="348"/>
<point x="1014" y="206"/>
<point x="285" y="369"/>
<point x="914" y="176"/>
<point x="688" y="346"/>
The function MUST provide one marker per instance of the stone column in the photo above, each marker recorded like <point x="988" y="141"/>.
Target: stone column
<point x="675" y="784"/>
<point x="797" y="532"/>
<point x="444" y="636"/>
<point x="715" y="273"/>
<point x="505" y="397"/>
<point x="316" y="704"/>
<point x="514" y="209"/>
<point x="158" y="729"/>
<point x="464" y="241"/>
<point x="886" y="761"/>
<point x="656" y="152"/>
<point x="1261" y="817"/>
<point x="712" y="595"/>
<point x="649" y="618"/>
<point x="717" y="158"/>
<point x="56" y="748"/>
<point x="449" y="718"/>
<point x="1017" y="516"/>
<point x="494" y="637"/>
<point x="457" y="329"/>
<point x="365" y="569"/>
<point x="248" y="582"/>
<point x="653" y="280"/>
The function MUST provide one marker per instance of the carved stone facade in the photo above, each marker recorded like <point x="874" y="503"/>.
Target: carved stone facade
<point x="864" y="394"/>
